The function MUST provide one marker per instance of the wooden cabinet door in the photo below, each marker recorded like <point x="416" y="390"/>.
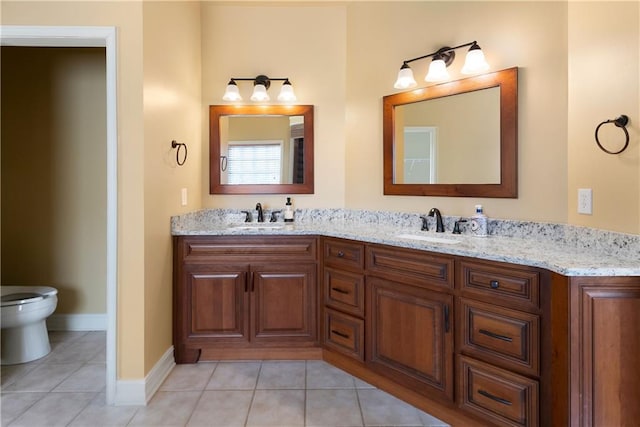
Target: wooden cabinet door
<point x="217" y="301"/>
<point x="605" y="343"/>
<point x="410" y="336"/>
<point x="283" y="300"/>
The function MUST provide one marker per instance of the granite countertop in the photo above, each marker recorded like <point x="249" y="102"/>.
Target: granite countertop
<point x="567" y="250"/>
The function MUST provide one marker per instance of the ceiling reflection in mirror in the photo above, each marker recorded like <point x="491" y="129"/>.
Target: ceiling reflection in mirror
<point x="261" y="149"/>
<point x="449" y="140"/>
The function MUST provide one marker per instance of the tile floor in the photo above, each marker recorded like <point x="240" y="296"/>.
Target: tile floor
<point x="66" y="388"/>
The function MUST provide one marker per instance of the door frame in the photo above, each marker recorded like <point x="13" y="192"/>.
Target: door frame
<point x="47" y="36"/>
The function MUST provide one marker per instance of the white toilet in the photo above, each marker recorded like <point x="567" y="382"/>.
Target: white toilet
<point x="24" y="312"/>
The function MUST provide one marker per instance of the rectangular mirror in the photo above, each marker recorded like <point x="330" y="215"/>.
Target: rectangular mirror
<point x="266" y="149"/>
<point x="453" y="139"/>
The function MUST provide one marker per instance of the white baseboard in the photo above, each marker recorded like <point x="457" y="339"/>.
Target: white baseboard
<point x="140" y="392"/>
<point x="77" y="322"/>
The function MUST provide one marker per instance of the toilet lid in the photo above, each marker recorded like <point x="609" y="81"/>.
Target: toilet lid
<point x="20" y="298"/>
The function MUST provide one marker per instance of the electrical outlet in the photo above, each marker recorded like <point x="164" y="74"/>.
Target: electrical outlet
<point x="585" y="201"/>
<point x="183" y="194"/>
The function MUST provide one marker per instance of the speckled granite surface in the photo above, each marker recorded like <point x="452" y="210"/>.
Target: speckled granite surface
<point x="564" y="249"/>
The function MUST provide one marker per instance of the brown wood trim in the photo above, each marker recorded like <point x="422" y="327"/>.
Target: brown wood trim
<point x="212" y="354"/>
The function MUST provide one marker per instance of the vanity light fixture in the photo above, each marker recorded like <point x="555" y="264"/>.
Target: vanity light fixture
<point x="442" y="58"/>
<point x="260" y="85"/>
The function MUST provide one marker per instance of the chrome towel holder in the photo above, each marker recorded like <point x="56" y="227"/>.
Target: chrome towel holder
<point x="179" y="145"/>
<point x="620" y="122"/>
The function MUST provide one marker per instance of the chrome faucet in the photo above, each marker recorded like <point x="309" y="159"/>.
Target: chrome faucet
<point x="439" y="225"/>
<point x="260" y="213"/>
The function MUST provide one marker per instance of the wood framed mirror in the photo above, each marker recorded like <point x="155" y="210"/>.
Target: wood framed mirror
<point x="457" y="139"/>
<point x="264" y="149"/>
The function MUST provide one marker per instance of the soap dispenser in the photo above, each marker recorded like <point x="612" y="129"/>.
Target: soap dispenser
<point x="478" y="223"/>
<point x="288" y="211"/>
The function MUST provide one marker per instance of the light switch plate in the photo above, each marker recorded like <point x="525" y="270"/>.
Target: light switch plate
<point x="183" y="196"/>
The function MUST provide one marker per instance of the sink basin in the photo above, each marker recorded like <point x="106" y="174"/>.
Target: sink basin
<point x="430" y="239"/>
<point x="257" y="226"/>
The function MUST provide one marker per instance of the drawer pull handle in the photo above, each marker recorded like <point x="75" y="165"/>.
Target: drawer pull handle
<point x="340" y="291"/>
<point x="340" y="334"/>
<point x="340" y="254"/>
<point x="496" y="336"/>
<point x="494" y="284"/>
<point x="496" y="398"/>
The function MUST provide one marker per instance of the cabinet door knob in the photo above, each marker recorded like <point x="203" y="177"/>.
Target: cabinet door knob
<point x="494" y="284"/>
<point x="340" y="254"/>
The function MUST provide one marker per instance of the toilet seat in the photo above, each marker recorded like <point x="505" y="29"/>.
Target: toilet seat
<point x="20" y="298"/>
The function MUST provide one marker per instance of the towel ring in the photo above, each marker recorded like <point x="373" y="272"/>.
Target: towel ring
<point x="620" y="122"/>
<point x="179" y="145"/>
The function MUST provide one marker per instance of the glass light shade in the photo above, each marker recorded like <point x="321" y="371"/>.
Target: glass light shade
<point x="232" y="93"/>
<point x="405" y="79"/>
<point x="286" y="93"/>
<point x="260" y="93"/>
<point x="437" y="71"/>
<point x="474" y="62"/>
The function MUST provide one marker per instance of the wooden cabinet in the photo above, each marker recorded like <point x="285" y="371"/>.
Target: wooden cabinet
<point x="498" y="339"/>
<point x="410" y="336"/>
<point x="243" y="293"/>
<point x="409" y="327"/>
<point x="343" y="291"/>
<point x="605" y="344"/>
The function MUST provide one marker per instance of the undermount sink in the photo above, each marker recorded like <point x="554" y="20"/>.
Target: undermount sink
<point x="430" y="239"/>
<point x="257" y="226"/>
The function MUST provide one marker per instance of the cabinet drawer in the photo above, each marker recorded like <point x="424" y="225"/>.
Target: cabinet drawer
<point x="500" y="282"/>
<point x="497" y="395"/>
<point x="343" y="254"/>
<point x="410" y="266"/>
<point x="501" y="336"/>
<point x="209" y="249"/>
<point x="344" y="334"/>
<point x="344" y="291"/>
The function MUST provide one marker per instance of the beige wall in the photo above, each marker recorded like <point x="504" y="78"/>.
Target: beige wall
<point x="307" y="44"/>
<point x="127" y="17"/>
<point x="604" y="69"/>
<point x="171" y="111"/>
<point x="54" y="173"/>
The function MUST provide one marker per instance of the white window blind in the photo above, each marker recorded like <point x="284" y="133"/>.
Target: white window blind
<point x="258" y="163"/>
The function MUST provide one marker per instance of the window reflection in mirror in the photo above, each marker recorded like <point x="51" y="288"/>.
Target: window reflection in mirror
<point x="262" y="149"/>
<point x="265" y="149"/>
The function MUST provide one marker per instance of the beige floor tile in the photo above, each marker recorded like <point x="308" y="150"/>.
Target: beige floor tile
<point x="10" y="373"/>
<point x="98" y="413"/>
<point x="14" y="404"/>
<point x="45" y="377"/>
<point x="322" y="375"/>
<point x="277" y="408"/>
<point x="227" y="408"/>
<point x="167" y="409"/>
<point x="74" y="351"/>
<point x="189" y="377"/>
<point x="234" y="376"/>
<point x="382" y="409"/>
<point x="87" y="378"/>
<point x="362" y="384"/>
<point x="332" y="408"/>
<point x="282" y="375"/>
<point x="430" y="420"/>
<point x="55" y="409"/>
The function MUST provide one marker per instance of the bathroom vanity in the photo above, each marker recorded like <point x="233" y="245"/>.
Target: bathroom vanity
<point x="469" y="339"/>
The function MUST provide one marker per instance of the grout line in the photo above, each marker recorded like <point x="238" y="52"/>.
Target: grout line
<point x="253" y="395"/>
